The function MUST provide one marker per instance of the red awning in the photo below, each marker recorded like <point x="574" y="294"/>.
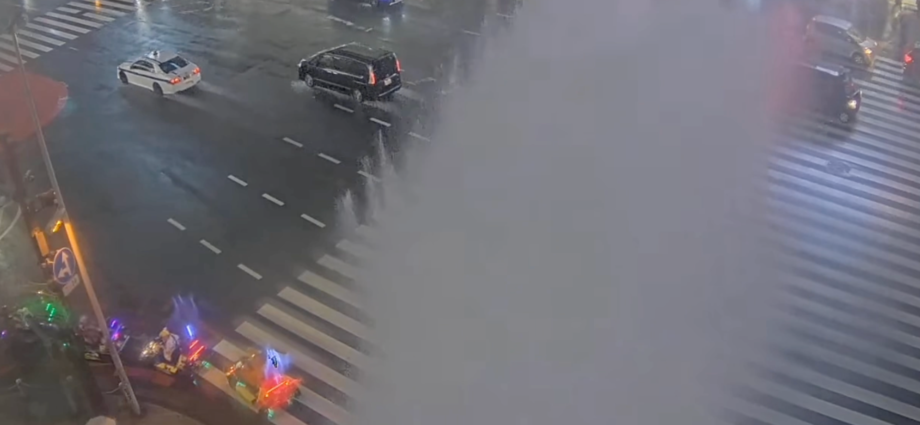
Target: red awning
<point x="15" y="118"/>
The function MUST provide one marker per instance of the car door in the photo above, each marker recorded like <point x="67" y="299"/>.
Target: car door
<point x="324" y="69"/>
<point x="141" y="73"/>
<point x="353" y="73"/>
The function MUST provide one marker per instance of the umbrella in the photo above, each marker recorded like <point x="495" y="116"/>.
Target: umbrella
<point x="49" y="95"/>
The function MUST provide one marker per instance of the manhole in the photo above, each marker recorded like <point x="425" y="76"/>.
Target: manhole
<point x="838" y="167"/>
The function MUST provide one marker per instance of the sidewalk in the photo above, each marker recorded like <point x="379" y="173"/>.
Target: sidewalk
<point x="153" y="415"/>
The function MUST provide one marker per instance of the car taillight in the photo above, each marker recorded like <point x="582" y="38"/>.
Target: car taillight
<point x="372" y="79"/>
<point x="176" y="80"/>
<point x="908" y="58"/>
<point x="197" y="71"/>
<point x="398" y="66"/>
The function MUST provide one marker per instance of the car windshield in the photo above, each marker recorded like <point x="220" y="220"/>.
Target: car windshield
<point x="856" y="35"/>
<point x="173" y="64"/>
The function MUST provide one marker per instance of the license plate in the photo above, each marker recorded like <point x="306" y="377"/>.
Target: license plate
<point x="387" y="81"/>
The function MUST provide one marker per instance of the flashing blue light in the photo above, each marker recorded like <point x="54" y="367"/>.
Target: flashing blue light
<point x="191" y="333"/>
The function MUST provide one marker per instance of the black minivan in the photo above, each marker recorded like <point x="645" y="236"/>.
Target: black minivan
<point x="829" y="90"/>
<point x="362" y="72"/>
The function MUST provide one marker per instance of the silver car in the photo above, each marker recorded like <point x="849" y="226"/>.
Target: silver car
<point x="830" y="36"/>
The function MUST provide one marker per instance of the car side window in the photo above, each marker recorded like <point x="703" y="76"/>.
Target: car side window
<point x="354" y="67"/>
<point x="142" y="65"/>
<point x="325" y="61"/>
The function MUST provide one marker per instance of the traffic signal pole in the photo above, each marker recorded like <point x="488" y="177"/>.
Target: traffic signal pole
<point x="74" y="243"/>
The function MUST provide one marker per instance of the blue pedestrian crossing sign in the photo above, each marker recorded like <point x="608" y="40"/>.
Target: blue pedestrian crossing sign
<point x="65" y="266"/>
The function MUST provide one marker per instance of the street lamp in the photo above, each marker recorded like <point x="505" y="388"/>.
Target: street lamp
<point x="71" y="235"/>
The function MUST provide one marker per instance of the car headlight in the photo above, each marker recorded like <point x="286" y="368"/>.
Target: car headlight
<point x="868" y="51"/>
<point x="852" y="104"/>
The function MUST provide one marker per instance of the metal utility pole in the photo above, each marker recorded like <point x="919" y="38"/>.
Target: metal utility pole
<point x="78" y="255"/>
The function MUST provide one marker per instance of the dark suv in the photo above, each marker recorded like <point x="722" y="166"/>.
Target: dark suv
<point x="361" y="72"/>
<point x="829" y="91"/>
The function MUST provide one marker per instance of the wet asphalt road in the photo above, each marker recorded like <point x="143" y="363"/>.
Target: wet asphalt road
<point x="135" y="168"/>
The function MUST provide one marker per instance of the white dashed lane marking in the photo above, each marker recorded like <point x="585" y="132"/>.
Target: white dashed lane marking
<point x="273" y="199"/>
<point x="329" y="158"/>
<point x="208" y="245"/>
<point x="349" y="110"/>
<point x="176" y="224"/>
<point x="237" y="180"/>
<point x="468" y="32"/>
<point x="419" y="136"/>
<point x="249" y="271"/>
<point x="381" y="122"/>
<point x="369" y="176"/>
<point x="68" y="10"/>
<point x="293" y="142"/>
<point x="318" y="223"/>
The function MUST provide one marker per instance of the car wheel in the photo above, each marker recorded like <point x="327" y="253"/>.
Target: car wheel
<point x="357" y="96"/>
<point x="309" y="80"/>
<point x="122" y="77"/>
<point x="157" y="89"/>
<point x="844" y="118"/>
<point x="859" y="59"/>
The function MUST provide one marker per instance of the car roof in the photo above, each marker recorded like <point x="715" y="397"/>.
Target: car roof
<point x="830" y="20"/>
<point x="159" y="56"/>
<point x="360" y="51"/>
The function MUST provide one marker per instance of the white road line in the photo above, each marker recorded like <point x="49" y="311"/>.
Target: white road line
<point x="369" y="176"/>
<point x="27" y="43"/>
<point x="273" y="199"/>
<point x="208" y="245"/>
<point x="318" y="223"/>
<point x="471" y="32"/>
<point x="261" y="337"/>
<point x="62" y="25"/>
<point x="329" y="158"/>
<point x="218" y="379"/>
<point x="355" y="249"/>
<point x="237" y="180"/>
<point x="34" y="36"/>
<point x="230" y="351"/>
<point x="419" y="136"/>
<point x="128" y="2"/>
<point x="331" y="288"/>
<point x="249" y="271"/>
<point x="502" y="15"/>
<point x="326" y="313"/>
<point x="98" y="17"/>
<point x="349" y="110"/>
<point x="97" y="9"/>
<point x="366" y="232"/>
<point x="176" y="224"/>
<point x="52" y="31"/>
<point x="5" y="68"/>
<point x="68" y="10"/>
<point x="339" y="266"/>
<point x="74" y="20"/>
<point x="292" y="142"/>
<point x="111" y="4"/>
<point x="381" y="122"/>
<point x="9" y="58"/>
<point x="25" y="52"/>
<point x="315" y="336"/>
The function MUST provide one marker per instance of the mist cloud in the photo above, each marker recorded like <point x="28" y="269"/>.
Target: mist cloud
<point x="582" y="242"/>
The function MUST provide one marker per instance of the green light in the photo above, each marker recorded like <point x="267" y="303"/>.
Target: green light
<point x="271" y="413"/>
<point x="51" y="314"/>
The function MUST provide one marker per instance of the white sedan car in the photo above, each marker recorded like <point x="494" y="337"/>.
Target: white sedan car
<point x="162" y="72"/>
